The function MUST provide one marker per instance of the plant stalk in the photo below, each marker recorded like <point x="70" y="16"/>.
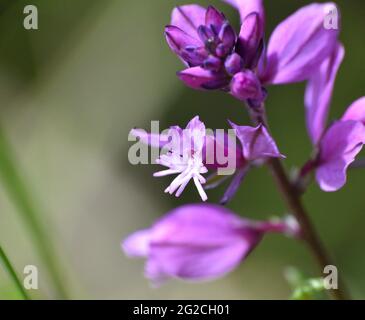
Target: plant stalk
<point x="19" y="194"/>
<point x="11" y="271"/>
<point x="294" y="202"/>
<point x="309" y="233"/>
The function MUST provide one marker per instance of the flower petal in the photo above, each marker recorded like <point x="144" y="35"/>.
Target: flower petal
<point x="245" y="7"/>
<point x="214" y="18"/>
<point x="234" y="185"/>
<point x="200" y="242"/>
<point x="299" y="45"/>
<point x="137" y="244"/>
<point x="256" y="142"/>
<point x="188" y="48"/>
<point x="196" y="134"/>
<point x="155" y="140"/>
<point x="188" y="18"/>
<point x="338" y="149"/>
<point x="199" y="78"/>
<point x="356" y="111"/>
<point x="249" y="40"/>
<point x="222" y="153"/>
<point x="319" y="94"/>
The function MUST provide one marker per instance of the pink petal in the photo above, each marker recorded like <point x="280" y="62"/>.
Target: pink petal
<point x="319" y="94"/>
<point x="256" y="142"/>
<point x="338" y="149"/>
<point x="299" y="45"/>
<point x="199" y="242"/>
<point x="137" y="244"/>
<point x="356" y="111"/>
<point x="188" y="18"/>
<point x="155" y="140"/>
<point x="200" y="79"/>
<point x="222" y="152"/>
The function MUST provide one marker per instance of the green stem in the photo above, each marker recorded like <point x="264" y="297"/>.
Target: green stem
<point x="18" y="192"/>
<point x="9" y="268"/>
<point x="294" y="202"/>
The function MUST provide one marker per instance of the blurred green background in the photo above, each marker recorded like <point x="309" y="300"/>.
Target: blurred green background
<point x="69" y="94"/>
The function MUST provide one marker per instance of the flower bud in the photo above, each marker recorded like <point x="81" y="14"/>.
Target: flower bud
<point x="245" y="85"/>
<point x="233" y="64"/>
<point x="197" y="242"/>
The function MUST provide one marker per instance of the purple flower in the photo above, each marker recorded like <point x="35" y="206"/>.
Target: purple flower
<point x="185" y="158"/>
<point x="199" y="242"/>
<point x="319" y="93"/>
<point x="191" y="152"/>
<point x="218" y="58"/>
<point x="257" y="144"/>
<point x="338" y="144"/>
<point x="338" y="148"/>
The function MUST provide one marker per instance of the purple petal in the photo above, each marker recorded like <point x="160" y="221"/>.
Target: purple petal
<point x="338" y="149"/>
<point x="155" y="140"/>
<point x="356" y="111"/>
<point x="188" y="48"/>
<point x="249" y="39"/>
<point x="212" y="64"/>
<point x="222" y="152"/>
<point x="206" y="34"/>
<point x="137" y="244"/>
<point x="196" y="132"/>
<point x="199" y="242"/>
<point x="246" y="7"/>
<point x="188" y="18"/>
<point x="319" y="94"/>
<point x="214" y="19"/>
<point x="234" y="185"/>
<point x="199" y="78"/>
<point x="256" y="142"/>
<point x="245" y="85"/>
<point x="227" y="36"/>
<point x="299" y="45"/>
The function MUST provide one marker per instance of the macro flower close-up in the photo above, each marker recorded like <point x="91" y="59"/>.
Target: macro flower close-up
<point x="182" y="157"/>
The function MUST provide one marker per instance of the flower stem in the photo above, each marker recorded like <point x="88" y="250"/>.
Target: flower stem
<point x="18" y="192"/>
<point x="309" y="234"/>
<point x="293" y="201"/>
<point x="9" y="268"/>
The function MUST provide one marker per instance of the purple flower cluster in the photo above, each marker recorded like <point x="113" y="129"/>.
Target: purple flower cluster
<point x="204" y="241"/>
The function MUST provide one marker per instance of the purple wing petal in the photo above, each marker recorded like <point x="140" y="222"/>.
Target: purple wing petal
<point x="199" y="78"/>
<point x="338" y="149"/>
<point x="188" y="18"/>
<point x="319" y="93"/>
<point x="356" y="111"/>
<point x="299" y="45"/>
<point x="199" y="242"/>
<point x="256" y="142"/>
